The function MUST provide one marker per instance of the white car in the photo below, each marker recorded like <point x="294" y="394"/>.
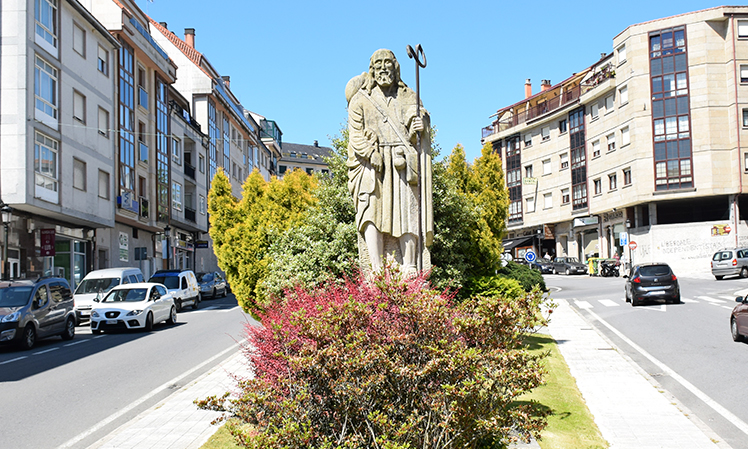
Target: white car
<point x="133" y="306"/>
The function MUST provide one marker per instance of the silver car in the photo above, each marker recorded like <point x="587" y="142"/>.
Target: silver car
<point x="730" y="262"/>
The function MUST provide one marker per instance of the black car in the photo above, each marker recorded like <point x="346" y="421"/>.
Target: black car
<point x="542" y="265"/>
<point x="30" y="310"/>
<point x="212" y="284"/>
<point x="651" y="281"/>
<point x="568" y="265"/>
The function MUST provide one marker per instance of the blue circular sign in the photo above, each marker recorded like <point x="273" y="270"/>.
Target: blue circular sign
<point x="530" y="256"/>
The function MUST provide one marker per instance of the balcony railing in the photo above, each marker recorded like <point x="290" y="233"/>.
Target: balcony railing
<point x="189" y="170"/>
<point x="144" y="207"/>
<point x="189" y="214"/>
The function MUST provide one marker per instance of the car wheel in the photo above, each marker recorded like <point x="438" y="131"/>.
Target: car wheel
<point x="568" y="272"/>
<point x="28" y="339"/>
<point x="734" y="330"/>
<point x="225" y="292"/>
<point x="554" y="270"/>
<point x="744" y="272"/>
<point x="676" y="300"/>
<point x="149" y="322"/>
<point x="719" y="278"/>
<point x="69" y="331"/>
<point x="178" y="303"/>
<point x="172" y="316"/>
<point x="195" y="303"/>
<point x="213" y="294"/>
<point x="634" y="302"/>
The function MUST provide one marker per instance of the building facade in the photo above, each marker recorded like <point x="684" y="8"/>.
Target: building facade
<point x="641" y="154"/>
<point x="308" y="158"/>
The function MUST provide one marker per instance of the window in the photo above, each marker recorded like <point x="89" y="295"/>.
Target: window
<point x="545" y="133"/>
<point x="564" y="161"/>
<point x="745" y="118"/>
<point x="142" y="88"/>
<point x="142" y="186"/>
<point x="45" y="88"/>
<point x="596" y="148"/>
<point x="742" y="28"/>
<point x="103" y="122"/>
<point x="565" y="196"/>
<point x="234" y="172"/>
<point x="79" y="107"/>
<point x="547" y="167"/>
<point x="528" y="140"/>
<point x="176" y="196"/>
<point x="625" y="137"/>
<point x="612" y="181"/>
<point x="627" y="176"/>
<point x="79" y="174"/>
<point x="598" y="186"/>
<point x="611" y="138"/>
<point x="744" y="73"/>
<point x="528" y="171"/>
<point x="202" y="205"/>
<point x="594" y="111"/>
<point x="79" y="40"/>
<point x="201" y="163"/>
<point x="547" y="200"/>
<point x="142" y="147"/>
<point x="103" y="61"/>
<point x="45" y="163"/>
<point x="176" y="151"/>
<point x="621" y="54"/>
<point x="609" y="104"/>
<point x="45" y="14"/>
<point x="530" y="204"/>
<point x="623" y="95"/>
<point x="562" y="126"/>
<point x="103" y="185"/>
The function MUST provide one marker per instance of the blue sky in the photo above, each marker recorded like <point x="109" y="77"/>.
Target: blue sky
<point x="290" y="60"/>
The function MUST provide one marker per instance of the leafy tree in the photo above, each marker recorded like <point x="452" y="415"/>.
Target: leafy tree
<point x="242" y="230"/>
<point x="490" y="190"/>
<point x="391" y="363"/>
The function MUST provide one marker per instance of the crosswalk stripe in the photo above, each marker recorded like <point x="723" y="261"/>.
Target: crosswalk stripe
<point x="688" y="301"/>
<point x="583" y="304"/>
<point x="608" y="302"/>
<point x="728" y="298"/>
<point x="710" y="299"/>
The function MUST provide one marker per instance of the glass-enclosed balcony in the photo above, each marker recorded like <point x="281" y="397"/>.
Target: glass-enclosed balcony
<point x="271" y="130"/>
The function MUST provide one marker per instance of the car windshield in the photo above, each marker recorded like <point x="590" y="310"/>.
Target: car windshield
<point x="204" y="277"/>
<point x="572" y="260"/>
<point x="102" y="285"/>
<point x="171" y="282"/>
<point x="15" y="296"/>
<point x="126" y="295"/>
<point x="655" y="270"/>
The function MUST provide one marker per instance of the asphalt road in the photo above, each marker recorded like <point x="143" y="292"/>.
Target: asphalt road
<point x="686" y="347"/>
<point x="72" y="393"/>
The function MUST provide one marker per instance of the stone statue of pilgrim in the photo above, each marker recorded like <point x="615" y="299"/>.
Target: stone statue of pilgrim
<point x="389" y="177"/>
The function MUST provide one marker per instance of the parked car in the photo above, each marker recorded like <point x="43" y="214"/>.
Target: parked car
<point x="568" y="265"/>
<point x="651" y="281"/>
<point x="133" y="306"/>
<point x="212" y="284"/>
<point x="182" y="284"/>
<point x="97" y="284"/>
<point x="730" y="262"/>
<point x="30" y="310"/>
<point x="542" y="265"/>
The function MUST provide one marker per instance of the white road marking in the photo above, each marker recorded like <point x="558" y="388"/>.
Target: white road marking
<point x="689" y="301"/>
<point x="583" y="304"/>
<point x="48" y="350"/>
<point x="728" y="298"/>
<point x="13" y="360"/>
<point x="710" y="299"/>
<point x="737" y="422"/>
<point x="727" y="307"/>
<point x="127" y="409"/>
<point x="608" y="302"/>
<point x="76" y="342"/>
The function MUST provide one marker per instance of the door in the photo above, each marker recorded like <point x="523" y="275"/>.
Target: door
<point x="40" y="310"/>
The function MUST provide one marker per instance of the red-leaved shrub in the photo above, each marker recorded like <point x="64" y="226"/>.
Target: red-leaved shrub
<point x="388" y="363"/>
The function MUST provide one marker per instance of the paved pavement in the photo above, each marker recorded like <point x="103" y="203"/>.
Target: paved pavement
<point x="629" y="407"/>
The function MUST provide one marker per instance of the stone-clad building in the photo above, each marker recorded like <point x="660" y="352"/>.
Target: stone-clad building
<point x="647" y="145"/>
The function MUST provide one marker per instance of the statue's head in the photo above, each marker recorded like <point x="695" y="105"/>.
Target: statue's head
<point x="384" y="68"/>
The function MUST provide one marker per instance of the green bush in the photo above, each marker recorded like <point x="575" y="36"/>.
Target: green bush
<point x="389" y="363"/>
<point x="526" y="276"/>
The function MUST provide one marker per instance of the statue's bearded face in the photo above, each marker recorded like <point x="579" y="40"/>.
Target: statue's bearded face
<point x="383" y="67"/>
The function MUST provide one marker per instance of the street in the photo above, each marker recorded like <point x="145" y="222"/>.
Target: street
<point x="71" y="394"/>
<point x="686" y="348"/>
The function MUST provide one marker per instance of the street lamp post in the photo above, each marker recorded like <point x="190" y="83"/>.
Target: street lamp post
<point x="167" y="233"/>
<point x="6" y="213"/>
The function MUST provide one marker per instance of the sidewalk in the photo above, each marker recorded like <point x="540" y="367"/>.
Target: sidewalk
<point x="628" y="407"/>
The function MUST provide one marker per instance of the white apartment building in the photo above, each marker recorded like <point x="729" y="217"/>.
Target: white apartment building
<point x="643" y="154"/>
<point x="57" y="145"/>
<point x="308" y="158"/>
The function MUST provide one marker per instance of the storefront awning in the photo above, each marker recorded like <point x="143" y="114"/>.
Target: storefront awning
<point x="519" y="241"/>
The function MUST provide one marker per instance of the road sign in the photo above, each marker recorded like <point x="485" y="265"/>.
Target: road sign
<point x="624" y="237"/>
<point x="632" y="245"/>
<point x="530" y="256"/>
<point x="507" y="257"/>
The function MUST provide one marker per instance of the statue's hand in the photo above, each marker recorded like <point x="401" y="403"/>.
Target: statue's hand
<point x="417" y="125"/>
<point x="376" y="160"/>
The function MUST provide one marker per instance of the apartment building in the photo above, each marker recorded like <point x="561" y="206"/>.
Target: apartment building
<point x="309" y="158"/>
<point x="57" y="146"/>
<point x="641" y="154"/>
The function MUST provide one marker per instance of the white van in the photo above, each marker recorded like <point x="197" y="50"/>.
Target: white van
<point x="182" y="284"/>
<point x="97" y="284"/>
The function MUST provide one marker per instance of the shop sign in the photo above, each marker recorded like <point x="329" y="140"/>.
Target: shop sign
<point x="611" y="216"/>
<point x="529" y="181"/>
<point x="47" y="242"/>
<point x="124" y="247"/>
<point x="201" y="244"/>
<point x="721" y="230"/>
<point x="585" y="221"/>
<point x="548" y="231"/>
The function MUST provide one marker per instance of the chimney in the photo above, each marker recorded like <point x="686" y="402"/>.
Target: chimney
<point x="528" y="88"/>
<point x="163" y="24"/>
<point x="189" y="37"/>
<point x="545" y="85"/>
<point x="226" y="80"/>
<point x="316" y="144"/>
